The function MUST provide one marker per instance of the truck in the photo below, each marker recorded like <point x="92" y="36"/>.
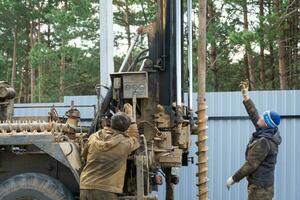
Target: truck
<point x="40" y="157"/>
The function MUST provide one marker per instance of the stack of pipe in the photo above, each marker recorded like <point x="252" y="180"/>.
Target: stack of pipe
<point x="34" y="126"/>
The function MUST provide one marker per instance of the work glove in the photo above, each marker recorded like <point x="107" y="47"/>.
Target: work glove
<point x="229" y="182"/>
<point x="128" y="109"/>
<point x="244" y="85"/>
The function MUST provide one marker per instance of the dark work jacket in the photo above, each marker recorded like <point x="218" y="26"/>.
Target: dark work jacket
<point x="261" y="153"/>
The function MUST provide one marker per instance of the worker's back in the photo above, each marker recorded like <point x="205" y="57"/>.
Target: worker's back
<point x="107" y="152"/>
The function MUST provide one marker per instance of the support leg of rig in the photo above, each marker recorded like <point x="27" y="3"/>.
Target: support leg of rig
<point x="169" y="184"/>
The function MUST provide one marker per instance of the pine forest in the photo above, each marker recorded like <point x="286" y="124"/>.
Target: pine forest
<point x="50" y="48"/>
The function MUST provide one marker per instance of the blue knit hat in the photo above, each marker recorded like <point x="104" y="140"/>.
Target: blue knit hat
<point x="272" y="119"/>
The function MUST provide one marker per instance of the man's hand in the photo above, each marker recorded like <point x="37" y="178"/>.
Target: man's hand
<point x="229" y="182"/>
<point x="128" y="109"/>
<point x="244" y="85"/>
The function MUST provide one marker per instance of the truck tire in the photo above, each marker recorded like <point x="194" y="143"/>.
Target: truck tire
<point x="33" y="186"/>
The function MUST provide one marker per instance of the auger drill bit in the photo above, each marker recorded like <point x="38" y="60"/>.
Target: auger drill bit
<point x="202" y="149"/>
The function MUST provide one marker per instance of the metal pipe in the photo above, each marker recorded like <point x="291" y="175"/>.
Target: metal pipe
<point x="27" y="126"/>
<point x="147" y="161"/>
<point x="190" y="51"/>
<point x="134" y="107"/>
<point x="16" y="106"/>
<point x="106" y="45"/>
<point x="142" y="66"/>
<point x="135" y="39"/>
<point x="178" y="53"/>
<point x="139" y="162"/>
<point x="143" y="63"/>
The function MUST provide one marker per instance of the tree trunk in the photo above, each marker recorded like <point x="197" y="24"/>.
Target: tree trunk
<point x="281" y="50"/>
<point x="8" y="74"/>
<point x="24" y="87"/>
<point x="24" y="96"/>
<point x="62" y="71"/>
<point x="289" y="44"/>
<point x="262" y="45"/>
<point x="32" y="69"/>
<point x="248" y="49"/>
<point x="213" y="65"/>
<point x="14" y="68"/>
<point x="272" y="65"/>
<point x="246" y="70"/>
<point x="21" y="98"/>
<point x="213" y="46"/>
<point x="62" y="66"/>
<point x="282" y="63"/>
<point x="49" y="36"/>
<point x="295" y="41"/>
<point x="271" y="49"/>
<point x="49" y="26"/>
<point x="26" y="84"/>
<point x="40" y="73"/>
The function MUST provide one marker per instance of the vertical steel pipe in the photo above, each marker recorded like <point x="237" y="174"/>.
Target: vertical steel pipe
<point x="178" y="52"/>
<point x="190" y="51"/>
<point x="106" y="44"/>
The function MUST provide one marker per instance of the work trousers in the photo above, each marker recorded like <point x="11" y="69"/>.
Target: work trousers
<point x="97" y="195"/>
<point x="256" y="192"/>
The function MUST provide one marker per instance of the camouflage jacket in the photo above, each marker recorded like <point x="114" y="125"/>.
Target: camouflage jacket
<point x="106" y="156"/>
<point x="261" y="152"/>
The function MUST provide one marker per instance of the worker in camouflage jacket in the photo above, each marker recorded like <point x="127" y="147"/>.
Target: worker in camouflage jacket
<point x="261" y="152"/>
<point x="106" y="155"/>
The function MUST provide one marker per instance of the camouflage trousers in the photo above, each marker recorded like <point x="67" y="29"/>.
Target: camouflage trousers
<point x="97" y="195"/>
<point x="256" y="192"/>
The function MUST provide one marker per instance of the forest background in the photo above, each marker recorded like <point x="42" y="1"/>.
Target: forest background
<point x="50" y="48"/>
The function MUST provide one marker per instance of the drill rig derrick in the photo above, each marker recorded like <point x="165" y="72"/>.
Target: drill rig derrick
<point x="163" y="121"/>
<point x="164" y="131"/>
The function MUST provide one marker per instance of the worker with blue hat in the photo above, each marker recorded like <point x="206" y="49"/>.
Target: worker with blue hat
<point x="261" y="152"/>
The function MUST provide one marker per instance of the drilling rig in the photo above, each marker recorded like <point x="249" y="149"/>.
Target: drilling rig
<point x="154" y="90"/>
<point x="39" y="151"/>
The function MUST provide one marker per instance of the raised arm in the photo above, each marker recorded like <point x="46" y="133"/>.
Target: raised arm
<point x="134" y="136"/>
<point x="132" y="131"/>
<point x="248" y="103"/>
